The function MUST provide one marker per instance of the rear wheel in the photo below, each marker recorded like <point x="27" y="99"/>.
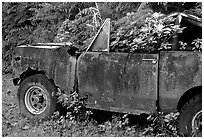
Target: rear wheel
<point x="190" y="121"/>
<point x="36" y="96"/>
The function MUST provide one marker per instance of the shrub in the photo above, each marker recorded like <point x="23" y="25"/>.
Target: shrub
<point x="75" y="106"/>
<point x="162" y="125"/>
<point x="81" y="30"/>
<point x="150" y="33"/>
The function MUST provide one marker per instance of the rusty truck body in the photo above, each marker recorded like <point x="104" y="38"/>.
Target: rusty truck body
<point x="114" y="81"/>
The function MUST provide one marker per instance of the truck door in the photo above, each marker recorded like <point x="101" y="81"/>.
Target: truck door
<point x="100" y="75"/>
<point x="118" y="82"/>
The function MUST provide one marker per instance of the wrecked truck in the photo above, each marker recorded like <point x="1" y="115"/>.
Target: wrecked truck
<point x="133" y="83"/>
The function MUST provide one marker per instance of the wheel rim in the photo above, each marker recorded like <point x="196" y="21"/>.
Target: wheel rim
<point x="36" y="100"/>
<point x="197" y="124"/>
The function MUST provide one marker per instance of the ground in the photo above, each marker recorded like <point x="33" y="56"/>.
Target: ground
<point x="12" y="121"/>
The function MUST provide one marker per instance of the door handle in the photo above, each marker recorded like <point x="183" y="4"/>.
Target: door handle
<point x="151" y="59"/>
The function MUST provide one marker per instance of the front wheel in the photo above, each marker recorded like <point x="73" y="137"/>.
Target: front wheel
<point x="190" y="121"/>
<point x="36" y="95"/>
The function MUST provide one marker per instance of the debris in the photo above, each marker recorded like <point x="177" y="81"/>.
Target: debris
<point x="26" y="127"/>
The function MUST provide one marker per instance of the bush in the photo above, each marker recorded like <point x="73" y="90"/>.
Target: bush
<point x="149" y="33"/>
<point x="75" y="106"/>
<point x="81" y="30"/>
<point x="77" y="121"/>
<point x="162" y="125"/>
<point x="77" y="116"/>
<point x="144" y="31"/>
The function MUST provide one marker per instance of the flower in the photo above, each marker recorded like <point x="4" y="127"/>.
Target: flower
<point x="159" y="27"/>
<point x="156" y="15"/>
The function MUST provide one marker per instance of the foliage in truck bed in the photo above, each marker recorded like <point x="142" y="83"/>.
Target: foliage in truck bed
<point x="142" y="34"/>
<point x="149" y="33"/>
<point x="144" y="31"/>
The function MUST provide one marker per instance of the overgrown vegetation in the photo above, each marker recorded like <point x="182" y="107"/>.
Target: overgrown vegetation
<point x="136" y="27"/>
<point x="157" y="124"/>
<point x="34" y="22"/>
<point x="81" y="30"/>
<point x="149" y="33"/>
<point x="162" y="125"/>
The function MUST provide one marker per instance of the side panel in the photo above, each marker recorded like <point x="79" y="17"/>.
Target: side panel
<point x="178" y="72"/>
<point x="56" y="63"/>
<point x="118" y="82"/>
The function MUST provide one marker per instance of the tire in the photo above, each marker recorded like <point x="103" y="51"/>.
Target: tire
<point x="191" y="116"/>
<point x="37" y="97"/>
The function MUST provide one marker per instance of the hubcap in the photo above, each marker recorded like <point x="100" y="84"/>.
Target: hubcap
<point x="197" y="124"/>
<point x="36" y="100"/>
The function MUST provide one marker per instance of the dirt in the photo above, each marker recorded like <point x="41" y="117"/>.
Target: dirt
<point x="10" y="111"/>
